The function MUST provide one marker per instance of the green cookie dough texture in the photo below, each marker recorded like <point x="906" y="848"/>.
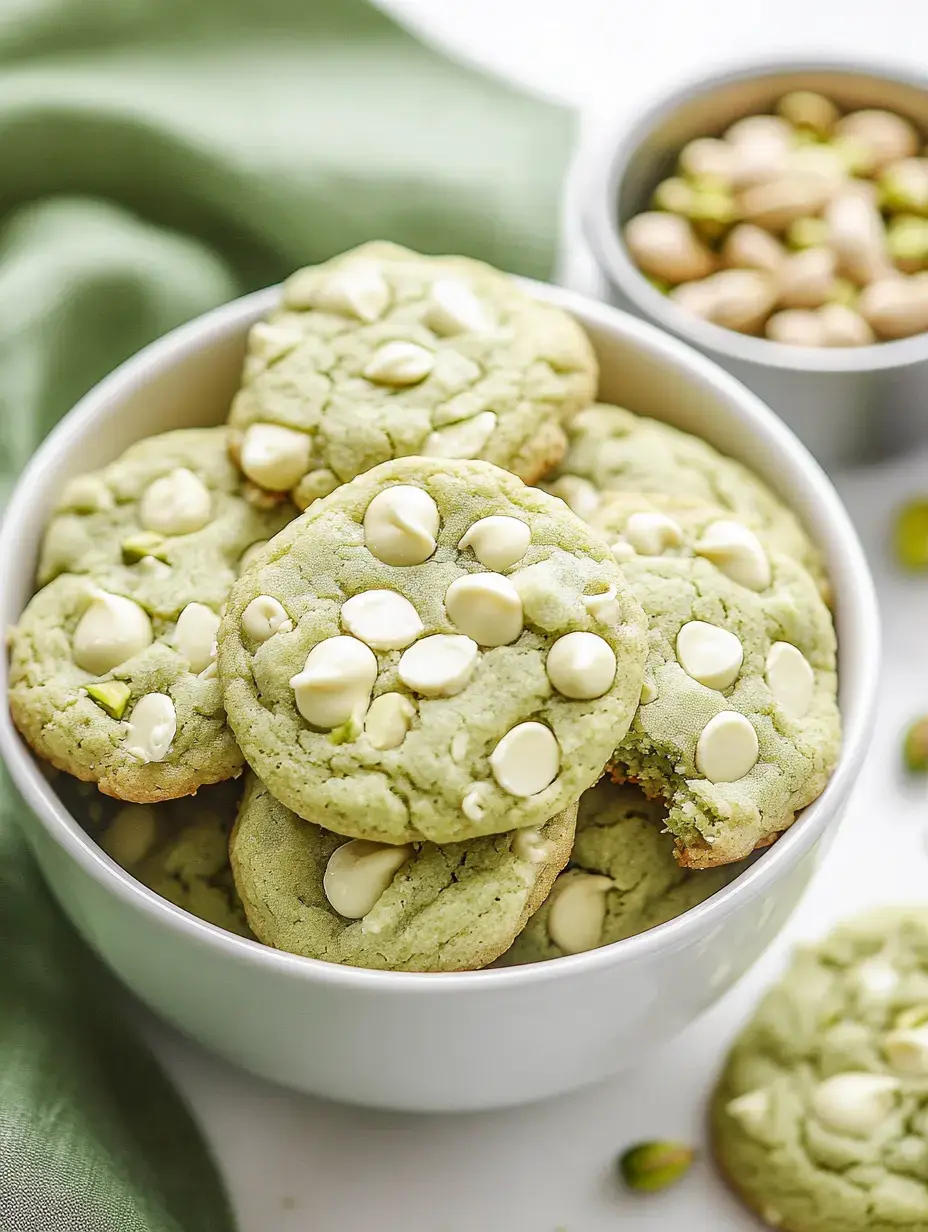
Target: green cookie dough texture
<point x="382" y="353"/>
<point x="738" y="726"/>
<point x="620" y="839"/>
<point x="179" y="849"/>
<point x="52" y="698"/>
<point x="432" y="761"/>
<point x="449" y="908"/>
<point x="610" y="448"/>
<point x="820" y="1118"/>
<point x="167" y="523"/>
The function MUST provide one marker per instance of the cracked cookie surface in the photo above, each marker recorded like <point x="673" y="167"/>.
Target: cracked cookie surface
<point x="738" y="726"/>
<point x="820" y="1117"/>
<point x="612" y="449"/>
<point x="435" y="651"/>
<point x="382" y="353"/>
<point x="621" y="879"/>
<point x="418" y="907"/>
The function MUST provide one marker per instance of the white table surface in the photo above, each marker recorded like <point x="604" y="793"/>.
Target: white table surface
<point x="294" y="1163"/>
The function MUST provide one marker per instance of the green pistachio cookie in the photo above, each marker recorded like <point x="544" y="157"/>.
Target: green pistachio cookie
<point x="113" y="676"/>
<point x="435" y="651"/>
<point x="166" y="523"/>
<point x="413" y="907"/>
<point x="118" y="696"/>
<point x="612" y="449"/>
<point x="382" y="353"/>
<point x="179" y="849"/>
<point x="820" y="1118"/>
<point x="622" y="879"/>
<point x="738" y="726"/>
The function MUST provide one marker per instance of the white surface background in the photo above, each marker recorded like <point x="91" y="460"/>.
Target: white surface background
<point x="293" y="1163"/>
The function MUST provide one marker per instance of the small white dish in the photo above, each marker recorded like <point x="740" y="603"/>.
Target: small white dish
<point x="414" y="1041"/>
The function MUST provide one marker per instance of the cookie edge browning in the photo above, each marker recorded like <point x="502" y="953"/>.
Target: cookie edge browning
<point x="538" y="893"/>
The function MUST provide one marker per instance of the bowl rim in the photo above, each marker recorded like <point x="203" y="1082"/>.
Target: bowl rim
<point x="601" y="170"/>
<point x="66" y="832"/>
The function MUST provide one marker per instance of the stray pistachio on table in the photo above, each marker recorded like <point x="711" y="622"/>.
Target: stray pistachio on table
<point x="765" y="228"/>
<point x="910" y="535"/>
<point x="651" y="1166"/>
<point x="915" y="747"/>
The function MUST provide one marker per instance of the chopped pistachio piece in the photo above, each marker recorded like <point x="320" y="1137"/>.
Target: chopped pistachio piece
<point x="915" y="751"/>
<point x="655" y="1165"/>
<point x="807" y="233"/>
<point x="347" y="732"/>
<point x="912" y="1016"/>
<point x="111" y="696"/>
<point x="145" y="543"/>
<point x="911" y="535"/>
<point x="907" y="242"/>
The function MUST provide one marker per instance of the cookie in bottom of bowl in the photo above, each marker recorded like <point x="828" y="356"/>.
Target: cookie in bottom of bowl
<point x="621" y="879"/>
<point x="179" y="849"/>
<point x="415" y="907"/>
<point x="820" y="1118"/>
<point x="738" y="726"/>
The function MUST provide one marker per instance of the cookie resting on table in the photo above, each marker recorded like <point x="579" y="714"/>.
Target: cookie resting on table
<point x="622" y="879"/>
<point x="435" y="651"/>
<point x="611" y="449"/>
<point x="820" y="1118"/>
<point x="179" y="849"/>
<point x="413" y="907"/>
<point x="738" y="726"/>
<point x="167" y="523"/>
<point x="382" y="353"/>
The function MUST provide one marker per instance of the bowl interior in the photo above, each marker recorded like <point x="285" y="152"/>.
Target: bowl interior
<point x="188" y="378"/>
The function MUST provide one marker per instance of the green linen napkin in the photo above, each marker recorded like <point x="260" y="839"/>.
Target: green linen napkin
<point x="159" y="157"/>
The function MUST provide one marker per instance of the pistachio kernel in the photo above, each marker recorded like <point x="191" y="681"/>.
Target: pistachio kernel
<point x="911" y="535"/>
<point x="111" y="696"/>
<point x="651" y="1166"/>
<point x="145" y="543"/>
<point x="915" y="747"/>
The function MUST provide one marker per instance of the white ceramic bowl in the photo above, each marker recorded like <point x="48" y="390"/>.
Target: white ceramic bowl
<point x="845" y="403"/>
<point x="415" y="1041"/>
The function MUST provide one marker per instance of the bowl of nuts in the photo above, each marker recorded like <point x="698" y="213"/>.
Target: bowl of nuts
<point x="776" y="217"/>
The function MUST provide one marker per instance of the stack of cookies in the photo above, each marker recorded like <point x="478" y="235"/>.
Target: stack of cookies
<point x="479" y="720"/>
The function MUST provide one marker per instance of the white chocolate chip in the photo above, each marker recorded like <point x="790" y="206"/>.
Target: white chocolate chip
<point x="400" y="525"/>
<point x="399" y="364"/>
<point x="581" y="666"/>
<point x="382" y="618"/>
<point x="263" y="617"/>
<point x="461" y="440"/>
<point x="497" y="542"/>
<point x="622" y="550"/>
<point x="578" y="912"/>
<point x="526" y="760"/>
<point x="653" y="533"/>
<point x="336" y="681"/>
<point x="529" y="845"/>
<point x="737" y="552"/>
<point x="476" y="798"/>
<point x="250" y="555"/>
<point x="388" y="720"/>
<point x="604" y="607"/>
<point x="486" y="607"/>
<point x="438" y="666"/>
<point x="176" y="504"/>
<point x="151" y="727"/>
<point x="358" y="290"/>
<point x="855" y="1104"/>
<point x="727" y="748"/>
<point x="453" y="308"/>
<point x="906" y="1050"/>
<point x="580" y="496"/>
<point x="111" y="630"/>
<point x="790" y="679"/>
<point x="273" y="457"/>
<point x="359" y="872"/>
<point x="195" y="635"/>
<point x="711" y="655"/>
<point x="751" y="1111"/>
<point x="131" y="834"/>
